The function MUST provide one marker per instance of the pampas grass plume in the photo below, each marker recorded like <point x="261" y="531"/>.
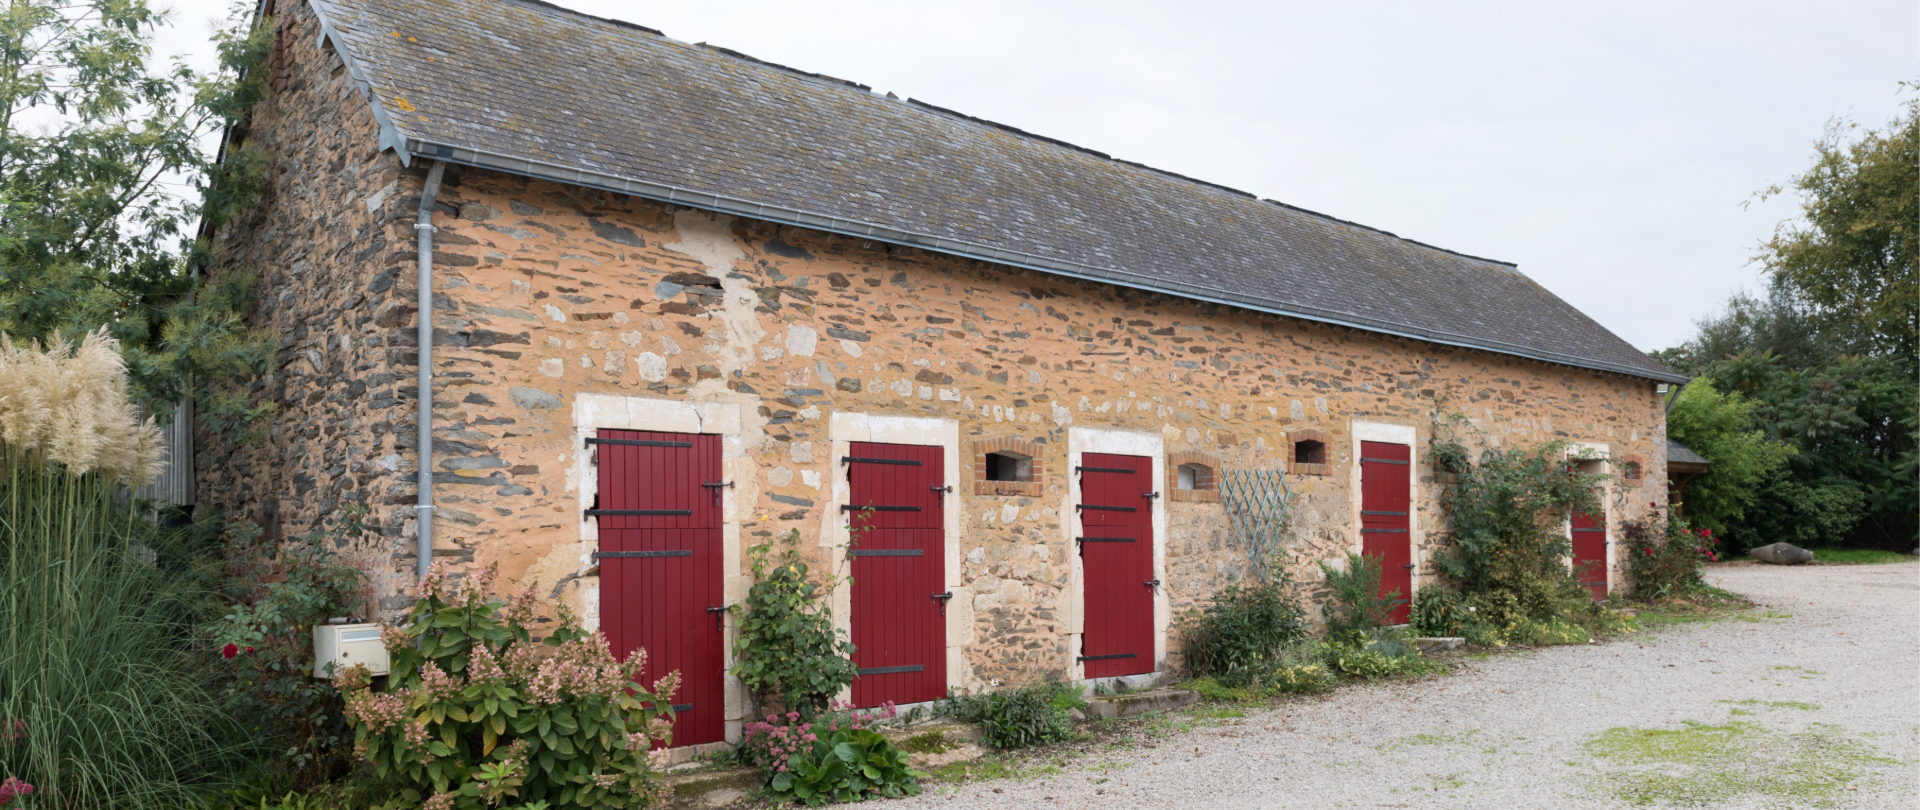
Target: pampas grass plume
<point x="68" y="405"/>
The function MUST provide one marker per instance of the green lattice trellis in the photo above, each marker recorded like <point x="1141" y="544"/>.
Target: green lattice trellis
<point x="1257" y="504"/>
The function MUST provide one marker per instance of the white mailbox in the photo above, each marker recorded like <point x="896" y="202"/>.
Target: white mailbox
<point x="337" y="647"/>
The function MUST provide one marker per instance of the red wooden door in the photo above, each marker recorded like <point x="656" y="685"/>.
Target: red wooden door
<point x="1590" y="551"/>
<point x="1116" y="554"/>
<point x="896" y="510"/>
<point x="1386" y="485"/>
<point x="660" y="571"/>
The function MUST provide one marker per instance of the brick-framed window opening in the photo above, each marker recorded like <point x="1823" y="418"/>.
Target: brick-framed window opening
<point x="1309" y="452"/>
<point x="1009" y="466"/>
<point x="1633" y="470"/>
<point x="1193" y="477"/>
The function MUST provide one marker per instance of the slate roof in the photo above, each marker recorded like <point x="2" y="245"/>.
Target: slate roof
<point x="529" y="88"/>
<point x="1678" y="453"/>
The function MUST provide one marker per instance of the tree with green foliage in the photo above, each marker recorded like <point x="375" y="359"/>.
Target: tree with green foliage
<point x="1853" y="256"/>
<point x="1827" y="358"/>
<point x="1740" y="457"/>
<point x="105" y="181"/>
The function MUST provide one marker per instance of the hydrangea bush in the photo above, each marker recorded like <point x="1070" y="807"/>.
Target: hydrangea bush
<point x="480" y="715"/>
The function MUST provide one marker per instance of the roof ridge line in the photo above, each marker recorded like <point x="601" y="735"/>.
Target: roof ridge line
<point x="577" y="13"/>
<point x="1021" y="132"/>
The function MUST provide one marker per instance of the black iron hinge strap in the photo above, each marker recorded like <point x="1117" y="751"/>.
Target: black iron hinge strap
<point x="1121" y="470"/>
<point x="601" y="555"/>
<point x="1108" y="657"/>
<point x="1107" y="508"/>
<point x="640" y="442"/>
<point x="900" y="461"/>
<point x="1383" y="460"/>
<point x="639" y="512"/>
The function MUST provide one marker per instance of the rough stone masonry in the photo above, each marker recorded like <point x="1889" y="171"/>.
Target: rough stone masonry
<point x="553" y="300"/>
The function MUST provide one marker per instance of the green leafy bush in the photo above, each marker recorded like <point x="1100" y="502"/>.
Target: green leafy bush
<point x="787" y="646"/>
<point x="267" y="641"/>
<point x="1508" y="555"/>
<point x="1439" y="613"/>
<point x="477" y="714"/>
<point x="835" y="756"/>
<point x="1242" y="629"/>
<point x="1033" y="714"/>
<point x="1357" y="606"/>
<point x="1666" y="556"/>
<point x="849" y="765"/>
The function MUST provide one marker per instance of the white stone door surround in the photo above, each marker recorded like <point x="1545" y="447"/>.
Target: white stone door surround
<point x="1597" y="452"/>
<point x="844" y="428"/>
<point x="1080" y="441"/>
<point x="595" y="412"/>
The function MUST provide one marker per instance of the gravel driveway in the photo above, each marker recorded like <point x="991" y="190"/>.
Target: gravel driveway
<point x="1808" y="701"/>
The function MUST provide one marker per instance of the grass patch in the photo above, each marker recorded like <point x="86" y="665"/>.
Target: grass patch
<point x="1777" y="704"/>
<point x="1857" y="556"/>
<point x="1701" y="764"/>
<point x="932" y="742"/>
<point x="995" y="766"/>
<point x="1437" y="738"/>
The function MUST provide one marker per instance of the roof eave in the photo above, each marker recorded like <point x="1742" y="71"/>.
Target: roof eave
<point x="721" y="203"/>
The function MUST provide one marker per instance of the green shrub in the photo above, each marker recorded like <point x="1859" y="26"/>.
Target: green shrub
<point x="1665" y="556"/>
<point x="835" y="756"/>
<point x="1297" y="668"/>
<point x="848" y="765"/>
<point x="1242" y="629"/>
<point x="478" y="714"/>
<point x="787" y="646"/>
<point x="1030" y="715"/>
<point x="1439" y="613"/>
<point x="267" y="640"/>
<point x="1357" y="606"/>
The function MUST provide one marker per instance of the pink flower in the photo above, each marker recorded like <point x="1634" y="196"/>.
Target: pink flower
<point x="13" y="789"/>
<point x="230" y="651"/>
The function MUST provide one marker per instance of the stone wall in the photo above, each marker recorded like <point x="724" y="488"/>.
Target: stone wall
<point x="546" y="293"/>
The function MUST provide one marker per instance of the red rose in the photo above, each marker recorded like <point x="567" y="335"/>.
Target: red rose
<point x="230" y="651"/>
<point x="249" y="649"/>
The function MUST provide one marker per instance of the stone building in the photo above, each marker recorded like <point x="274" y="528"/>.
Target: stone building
<point x="685" y="302"/>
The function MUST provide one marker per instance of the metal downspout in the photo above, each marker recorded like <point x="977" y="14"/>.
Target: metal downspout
<point x="423" y="232"/>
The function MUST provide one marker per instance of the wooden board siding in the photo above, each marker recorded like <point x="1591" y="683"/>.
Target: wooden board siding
<point x="899" y="567"/>
<point x="1116" y="551"/>
<point x="1386" y="472"/>
<point x="1590" y="551"/>
<point x="660" y="602"/>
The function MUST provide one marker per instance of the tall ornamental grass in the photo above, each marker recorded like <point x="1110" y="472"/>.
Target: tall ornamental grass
<point x="101" y="702"/>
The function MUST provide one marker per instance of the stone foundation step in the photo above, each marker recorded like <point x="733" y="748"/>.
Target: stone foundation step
<point x="698" y="790"/>
<point x="1139" y="703"/>
<point x="1427" y="645"/>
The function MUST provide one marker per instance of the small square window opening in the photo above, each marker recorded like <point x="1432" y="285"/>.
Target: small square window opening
<point x="1309" y="452"/>
<point x="1009" y="467"/>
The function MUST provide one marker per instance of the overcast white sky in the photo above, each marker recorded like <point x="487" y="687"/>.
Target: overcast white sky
<point x="1605" y="148"/>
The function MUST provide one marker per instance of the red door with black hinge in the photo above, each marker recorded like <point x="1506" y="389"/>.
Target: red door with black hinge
<point x="896" y="503"/>
<point x="660" y="571"/>
<point x="1386" y="486"/>
<point x="1116" y="556"/>
<point x="1590" y="551"/>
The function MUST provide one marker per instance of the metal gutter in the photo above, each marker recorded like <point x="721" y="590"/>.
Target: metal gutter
<point x="540" y="170"/>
